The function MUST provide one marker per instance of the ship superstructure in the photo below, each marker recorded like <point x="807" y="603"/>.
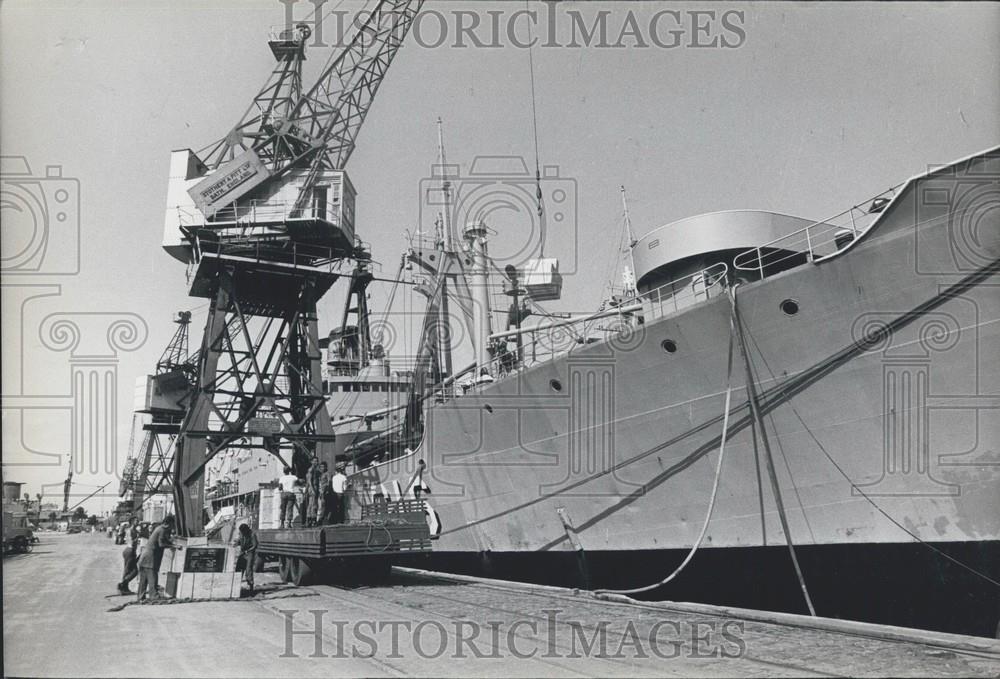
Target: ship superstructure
<point x="843" y="365"/>
<point x="862" y="342"/>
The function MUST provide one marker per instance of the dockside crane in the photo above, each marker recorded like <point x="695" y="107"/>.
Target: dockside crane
<point x="68" y="483"/>
<point x="148" y="467"/>
<point x="265" y="222"/>
<point x="286" y="131"/>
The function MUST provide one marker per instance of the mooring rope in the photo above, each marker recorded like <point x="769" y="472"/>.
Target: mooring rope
<point x="861" y="492"/>
<point x="775" y="486"/>
<point x="715" y="483"/>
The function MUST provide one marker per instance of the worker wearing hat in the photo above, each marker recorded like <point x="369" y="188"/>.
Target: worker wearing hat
<point x="151" y="558"/>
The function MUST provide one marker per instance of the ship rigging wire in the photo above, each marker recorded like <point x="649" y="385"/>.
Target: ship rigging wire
<point x="392" y="296"/>
<point x="859" y="491"/>
<point x="534" y="130"/>
<point x="715" y="483"/>
<point x="768" y="458"/>
<point x="772" y="398"/>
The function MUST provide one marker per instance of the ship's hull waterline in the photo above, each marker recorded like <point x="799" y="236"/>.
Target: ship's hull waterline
<point x="880" y="398"/>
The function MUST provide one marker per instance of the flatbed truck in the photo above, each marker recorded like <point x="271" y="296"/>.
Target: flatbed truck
<point x="363" y="547"/>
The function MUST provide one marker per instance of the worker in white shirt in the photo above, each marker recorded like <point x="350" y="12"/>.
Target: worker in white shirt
<point x="338" y="484"/>
<point x="286" y="486"/>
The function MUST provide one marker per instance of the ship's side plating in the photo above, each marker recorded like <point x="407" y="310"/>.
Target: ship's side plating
<point x="878" y="380"/>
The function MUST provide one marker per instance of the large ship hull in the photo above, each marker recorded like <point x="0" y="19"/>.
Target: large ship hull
<point x="879" y="399"/>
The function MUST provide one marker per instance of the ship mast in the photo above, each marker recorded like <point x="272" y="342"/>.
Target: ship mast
<point x="443" y="339"/>
<point x="629" y="275"/>
<point x="445" y="188"/>
<point x="475" y="235"/>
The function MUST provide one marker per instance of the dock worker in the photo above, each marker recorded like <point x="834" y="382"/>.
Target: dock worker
<point x="130" y="568"/>
<point x="286" y="486"/>
<point x="246" y="540"/>
<point x="326" y="494"/>
<point x="300" y="501"/>
<point x="338" y="488"/>
<point x="152" y="557"/>
<point x="313" y="492"/>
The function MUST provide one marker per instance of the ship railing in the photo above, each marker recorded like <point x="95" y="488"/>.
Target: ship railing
<point x="817" y="240"/>
<point x="543" y="343"/>
<point x="315" y="258"/>
<point x="286" y="33"/>
<point x="685" y="291"/>
<point x="255" y="212"/>
<point x="422" y="240"/>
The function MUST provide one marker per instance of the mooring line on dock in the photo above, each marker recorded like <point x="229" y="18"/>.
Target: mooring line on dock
<point x="556" y="594"/>
<point x="768" y="458"/>
<point x="770" y="399"/>
<point x="543" y="592"/>
<point x="366" y="593"/>
<point x="979" y="646"/>
<point x="858" y="489"/>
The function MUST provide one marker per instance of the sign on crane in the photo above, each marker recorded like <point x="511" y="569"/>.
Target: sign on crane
<point x="264" y="221"/>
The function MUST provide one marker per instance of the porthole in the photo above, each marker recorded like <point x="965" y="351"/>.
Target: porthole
<point x="789" y="307"/>
<point x="556" y="385"/>
<point x="669" y="346"/>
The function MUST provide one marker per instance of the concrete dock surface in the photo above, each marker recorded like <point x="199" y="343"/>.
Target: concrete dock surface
<point x="61" y="617"/>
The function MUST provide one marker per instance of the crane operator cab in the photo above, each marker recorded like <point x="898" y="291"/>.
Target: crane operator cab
<point x="238" y="203"/>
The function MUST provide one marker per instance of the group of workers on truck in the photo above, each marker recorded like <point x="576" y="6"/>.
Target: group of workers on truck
<point x="318" y="498"/>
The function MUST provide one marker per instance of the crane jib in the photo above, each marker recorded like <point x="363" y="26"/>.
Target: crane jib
<point x="315" y="129"/>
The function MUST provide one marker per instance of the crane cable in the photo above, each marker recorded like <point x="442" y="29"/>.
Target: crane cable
<point x="381" y="323"/>
<point x="534" y="130"/>
<point x="715" y="483"/>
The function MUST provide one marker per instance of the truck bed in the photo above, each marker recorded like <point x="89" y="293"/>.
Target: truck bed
<point x="365" y="537"/>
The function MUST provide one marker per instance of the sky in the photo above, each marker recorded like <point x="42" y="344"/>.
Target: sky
<point x="818" y="106"/>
